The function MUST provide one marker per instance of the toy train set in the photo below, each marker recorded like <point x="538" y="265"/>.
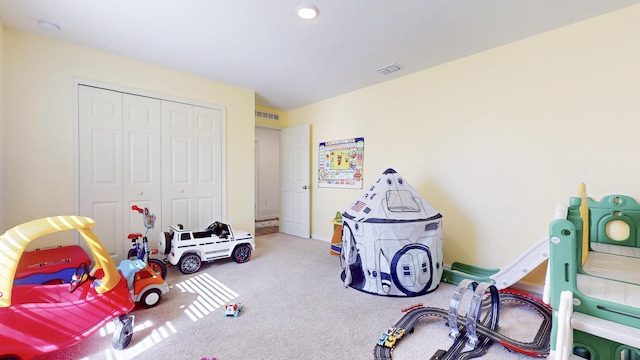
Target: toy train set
<point x="472" y="330"/>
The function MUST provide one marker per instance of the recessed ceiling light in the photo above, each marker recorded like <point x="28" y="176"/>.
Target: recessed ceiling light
<point x="49" y="26"/>
<point x="307" y="12"/>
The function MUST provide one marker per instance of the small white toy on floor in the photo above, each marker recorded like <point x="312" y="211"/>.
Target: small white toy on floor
<point x="232" y="309"/>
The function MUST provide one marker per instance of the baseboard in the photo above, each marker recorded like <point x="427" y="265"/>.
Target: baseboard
<point x="533" y="289"/>
<point x="267" y="223"/>
<point x="321" y="238"/>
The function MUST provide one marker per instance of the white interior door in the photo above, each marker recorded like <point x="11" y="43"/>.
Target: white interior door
<point x="100" y="165"/>
<point x="295" y="201"/>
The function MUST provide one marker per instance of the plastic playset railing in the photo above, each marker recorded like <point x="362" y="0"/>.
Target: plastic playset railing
<point x="594" y="275"/>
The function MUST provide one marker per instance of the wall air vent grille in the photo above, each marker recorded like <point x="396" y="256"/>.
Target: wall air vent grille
<point x="389" y="69"/>
<point x="267" y="115"/>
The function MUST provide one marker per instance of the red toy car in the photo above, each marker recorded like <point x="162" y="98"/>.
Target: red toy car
<point x="42" y="318"/>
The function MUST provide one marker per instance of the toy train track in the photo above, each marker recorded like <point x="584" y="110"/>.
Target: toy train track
<point x="482" y="333"/>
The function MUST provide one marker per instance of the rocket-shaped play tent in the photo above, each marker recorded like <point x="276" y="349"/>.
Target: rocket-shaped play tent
<point x="391" y="240"/>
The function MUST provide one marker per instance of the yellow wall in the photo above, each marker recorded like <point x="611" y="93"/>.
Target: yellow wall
<point x="494" y="141"/>
<point x="2" y="167"/>
<point x="39" y="115"/>
<point x="280" y="124"/>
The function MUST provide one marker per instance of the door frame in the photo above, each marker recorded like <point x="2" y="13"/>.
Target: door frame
<point x="75" y="179"/>
<point x="256" y="152"/>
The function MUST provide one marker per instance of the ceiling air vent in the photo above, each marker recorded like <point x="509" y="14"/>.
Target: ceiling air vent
<point x="389" y="69"/>
<point x="267" y="115"/>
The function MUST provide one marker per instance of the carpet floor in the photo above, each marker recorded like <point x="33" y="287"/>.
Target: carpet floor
<point x="294" y="307"/>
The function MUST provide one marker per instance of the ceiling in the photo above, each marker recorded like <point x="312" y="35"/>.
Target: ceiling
<point x="289" y="62"/>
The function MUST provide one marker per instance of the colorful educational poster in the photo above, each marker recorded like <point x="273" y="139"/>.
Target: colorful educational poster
<point x="340" y="163"/>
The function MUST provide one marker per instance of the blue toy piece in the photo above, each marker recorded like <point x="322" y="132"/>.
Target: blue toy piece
<point x="385" y="336"/>
<point x="129" y="268"/>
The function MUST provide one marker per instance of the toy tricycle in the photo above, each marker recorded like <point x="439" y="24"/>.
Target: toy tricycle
<point x="42" y="318"/>
<point x="142" y="251"/>
<point x="144" y="275"/>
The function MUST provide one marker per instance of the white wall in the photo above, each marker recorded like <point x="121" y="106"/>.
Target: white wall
<point x="267" y="173"/>
<point x="494" y="141"/>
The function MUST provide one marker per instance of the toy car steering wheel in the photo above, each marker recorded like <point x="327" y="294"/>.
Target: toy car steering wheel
<point x="79" y="277"/>
<point x="212" y="227"/>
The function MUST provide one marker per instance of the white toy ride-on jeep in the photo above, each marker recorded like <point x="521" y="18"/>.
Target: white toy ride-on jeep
<point x="188" y="249"/>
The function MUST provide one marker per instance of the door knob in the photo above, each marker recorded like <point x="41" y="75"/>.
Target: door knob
<point x="304" y="187"/>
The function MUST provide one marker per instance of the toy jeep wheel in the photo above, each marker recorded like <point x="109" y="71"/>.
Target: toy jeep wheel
<point x="242" y="253"/>
<point x="189" y="263"/>
<point x="166" y="243"/>
<point x="123" y="332"/>
<point x="151" y="298"/>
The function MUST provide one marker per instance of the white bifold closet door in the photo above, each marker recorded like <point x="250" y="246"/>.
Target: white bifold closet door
<point x="144" y="151"/>
<point x="191" y="169"/>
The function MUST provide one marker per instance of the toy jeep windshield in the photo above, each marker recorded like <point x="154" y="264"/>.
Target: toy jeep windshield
<point x="188" y="249"/>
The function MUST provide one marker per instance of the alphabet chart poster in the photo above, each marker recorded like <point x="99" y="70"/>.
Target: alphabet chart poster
<point x="340" y="163"/>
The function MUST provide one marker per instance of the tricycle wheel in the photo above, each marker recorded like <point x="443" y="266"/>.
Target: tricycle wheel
<point x="189" y="263"/>
<point x="242" y="253"/>
<point x="123" y="332"/>
<point x="133" y="253"/>
<point x="159" y="267"/>
<point x="151" y="298"/>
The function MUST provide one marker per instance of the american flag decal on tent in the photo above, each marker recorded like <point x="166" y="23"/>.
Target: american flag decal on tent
<point x="358" y="206"/>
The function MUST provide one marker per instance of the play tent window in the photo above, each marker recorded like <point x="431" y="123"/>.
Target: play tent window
<point x="406" y="270"/>
<point x="401" y="201"/>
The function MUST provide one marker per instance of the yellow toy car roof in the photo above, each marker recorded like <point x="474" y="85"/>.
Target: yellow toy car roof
<point x="14" y="242"/>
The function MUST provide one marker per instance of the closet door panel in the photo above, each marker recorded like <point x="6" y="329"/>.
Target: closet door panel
<point x="142" y="161"/>
<point x="100" y="164"/>
<point x="178" y="165"/>
<point x="208" y="172"/>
